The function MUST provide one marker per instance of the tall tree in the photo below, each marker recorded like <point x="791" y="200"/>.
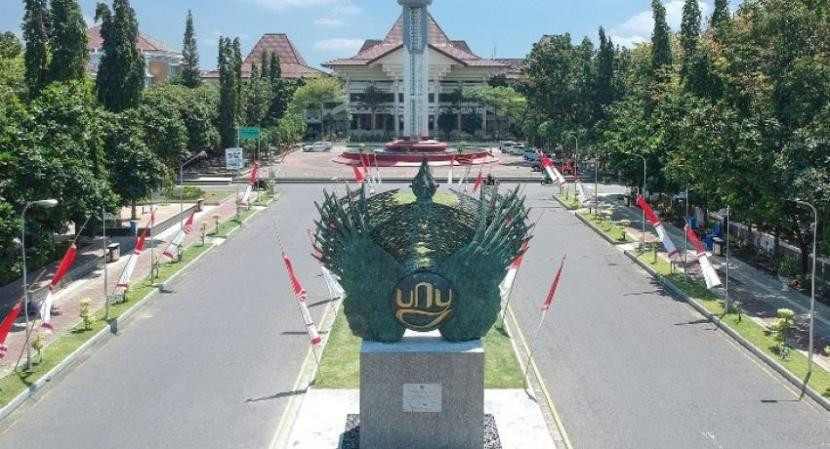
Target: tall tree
<point x="69" y="53"/>
<point x="690" y="29"/>
<point x="265" y="63"/>
<point x="720" y="16"/>
<point x="274" y="68"/>
<point x="227" y="93"/>
<point x="604" y="72"/>
<point x="372" y="98"/>
<point x="190" y="54"/>
<point x="236" y="61"/>
<point x="36" y="33"/>
<point x="121" y="72"/>
<point x="660" y="38"/>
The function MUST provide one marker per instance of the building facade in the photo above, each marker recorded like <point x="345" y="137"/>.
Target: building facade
<point x="161" y="60"/>
<point x="453" y="68"/>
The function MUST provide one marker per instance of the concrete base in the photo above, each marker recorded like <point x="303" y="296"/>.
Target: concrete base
<point x="320" y="421"/>
<point x="422" y="393"/>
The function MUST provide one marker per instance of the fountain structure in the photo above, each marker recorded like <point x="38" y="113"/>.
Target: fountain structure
<point x="416" y="145"/>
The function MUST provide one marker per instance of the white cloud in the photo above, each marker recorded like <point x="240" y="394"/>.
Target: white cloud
<point x="329" y="22"/>
<point x="639" y="27"/>
<point x="339" y="45"/>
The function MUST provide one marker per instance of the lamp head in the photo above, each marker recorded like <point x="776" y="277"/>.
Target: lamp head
<point x="50" y="203"/>
<point x="201" y="154"/>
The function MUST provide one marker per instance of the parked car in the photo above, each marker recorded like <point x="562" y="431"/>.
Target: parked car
<point x="510" y="147"/>
<point x="318" y="147"/>
<point x="531" y="155"/>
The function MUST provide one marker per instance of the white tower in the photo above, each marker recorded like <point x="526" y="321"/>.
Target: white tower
<point x="415" y="68"/>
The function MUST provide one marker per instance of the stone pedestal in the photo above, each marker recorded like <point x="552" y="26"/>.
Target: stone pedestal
<point x="422" y="393"/>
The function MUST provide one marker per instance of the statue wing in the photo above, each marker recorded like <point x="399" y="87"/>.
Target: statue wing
<point x="476" y="269"/>
<point x="368" y="274"/>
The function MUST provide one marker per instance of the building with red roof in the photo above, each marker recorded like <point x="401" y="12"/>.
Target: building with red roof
<point x="292" y="63"/>
<point x="452" y="66"/>
<point x="161" y="60"/>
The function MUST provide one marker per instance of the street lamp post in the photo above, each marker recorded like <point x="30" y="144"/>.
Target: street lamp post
<point x="812" y="288"/>
<point x="643" y="193"/>
<point x="726" y="286"/>
<point x="45" y="204"/>
<point x="686" y="237"/>
<point x="596" y="185"/>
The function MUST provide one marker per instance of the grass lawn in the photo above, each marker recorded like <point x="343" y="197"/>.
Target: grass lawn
<point x="210" y="197"/>
<point x="16" y="382"/>
<point x="447" y="199"/>
<point x="571" y="202"/>
<point x="340" y="365"/>
<point x="758" y="335"/>
<point x="612" y="231"/>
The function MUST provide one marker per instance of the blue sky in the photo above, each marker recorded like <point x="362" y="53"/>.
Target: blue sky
<point x="327" y="29"/>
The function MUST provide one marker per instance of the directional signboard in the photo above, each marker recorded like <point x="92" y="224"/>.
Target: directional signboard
<point x="250" y="133"/>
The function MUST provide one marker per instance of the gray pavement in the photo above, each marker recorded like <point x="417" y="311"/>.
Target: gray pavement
<point x="209" y="365"/>
<point x="631" y="367"/>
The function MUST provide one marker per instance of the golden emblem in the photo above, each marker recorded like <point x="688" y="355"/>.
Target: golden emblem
<point x="423" y="301"/>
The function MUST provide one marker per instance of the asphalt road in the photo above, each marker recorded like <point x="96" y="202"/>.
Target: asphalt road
<point x="210" y="365"/>
<point x="631" y="367"/>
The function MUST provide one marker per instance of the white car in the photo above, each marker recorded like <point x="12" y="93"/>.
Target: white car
<point x="510" y="147"/>
<point x="318" y="147"/>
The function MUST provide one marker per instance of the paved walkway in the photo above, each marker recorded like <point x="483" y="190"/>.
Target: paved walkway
<point x="67" y="301"/>
<point x="760" y="293"/>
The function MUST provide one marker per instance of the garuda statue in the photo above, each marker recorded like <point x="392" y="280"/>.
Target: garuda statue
<point x="421" y="265"/>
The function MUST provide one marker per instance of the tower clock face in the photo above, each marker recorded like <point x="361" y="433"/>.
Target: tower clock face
<point x="423" y="301"/>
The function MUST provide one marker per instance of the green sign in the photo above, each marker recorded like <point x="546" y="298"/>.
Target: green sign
<point x="249" y="133"/>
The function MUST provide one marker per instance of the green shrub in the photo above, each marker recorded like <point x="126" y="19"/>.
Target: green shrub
<point x="190" y="193"/>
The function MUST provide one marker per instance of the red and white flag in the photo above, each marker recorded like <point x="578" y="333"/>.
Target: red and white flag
<point x="358" y="176"/>
<point x="250" y="187"/>
<point x="176" y="243"/>
<point x="553" y="287"/>
<point x="6" y="326"/>
<point x="671" y="250"/>
<point x="580" y="188"/>
<point x="710" y="275"/>
<point x="46" y="306"/>
<point x="449" y="175"/>
<point x="479" y="179"/>
<point x="506" y="284"/>
<point x="553" y="172"/>
<point x="124" y="281"/>
<point x="301" y="295"/>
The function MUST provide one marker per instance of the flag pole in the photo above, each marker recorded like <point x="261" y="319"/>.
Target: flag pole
<point x="510" y="292"/>
<point x="299" y="307"/>
<point x="530" y="346"/>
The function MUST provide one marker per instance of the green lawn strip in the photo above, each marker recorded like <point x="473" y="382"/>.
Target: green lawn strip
<point x="340" y="364"/>
<point x="265" y="198"/>
<point x="447" y="199"/>
<point x="16" y="382"/>
<point x="210" y="197"/>
<point x="758" y="335"/>
<point x="612" y="231"/>
<point x="571" y="202"/>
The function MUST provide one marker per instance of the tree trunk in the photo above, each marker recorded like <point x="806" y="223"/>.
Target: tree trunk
<point x="134" y="211"/>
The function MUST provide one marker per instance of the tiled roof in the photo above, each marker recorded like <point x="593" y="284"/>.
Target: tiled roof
<point x="291" y="61"/>
<point x="438" y="40"/>
<point x="515" y="66"/>
<point x="144" y="42"/>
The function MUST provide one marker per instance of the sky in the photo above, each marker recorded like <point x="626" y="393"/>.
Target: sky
<point x="323" y="30"/>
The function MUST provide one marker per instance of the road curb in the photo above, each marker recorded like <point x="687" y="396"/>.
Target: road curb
<point x="598" y="230"/>
<point x="680" y="294"/>
<point x="73" y="357"/>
